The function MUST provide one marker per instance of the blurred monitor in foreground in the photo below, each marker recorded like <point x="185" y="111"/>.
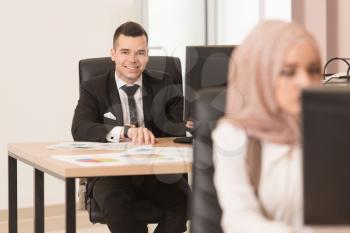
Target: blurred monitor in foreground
<point x="326" y="156"/>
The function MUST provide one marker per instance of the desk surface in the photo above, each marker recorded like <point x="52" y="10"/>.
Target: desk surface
<point x="40" y="157"/>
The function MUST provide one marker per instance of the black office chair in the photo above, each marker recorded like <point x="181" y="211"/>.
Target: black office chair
<point x="204" y="206"/>
<point x="157" y="67"/>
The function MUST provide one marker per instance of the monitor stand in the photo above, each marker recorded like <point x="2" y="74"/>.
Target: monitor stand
<point x="184" y="139"/>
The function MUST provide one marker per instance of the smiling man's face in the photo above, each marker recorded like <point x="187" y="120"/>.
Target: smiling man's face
<point x="130" y="55"/>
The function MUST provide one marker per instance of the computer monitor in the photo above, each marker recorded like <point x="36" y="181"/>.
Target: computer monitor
<point x="326" y="155"/>
<point x="206" y="66"/>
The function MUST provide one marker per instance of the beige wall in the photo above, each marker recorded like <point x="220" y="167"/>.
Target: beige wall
<point x="316" y="21"/>
<point x="343" y="28"/>
<point x="312" y="14"/>
<point x="41" y="43"/>
<point x="329" y="21"/>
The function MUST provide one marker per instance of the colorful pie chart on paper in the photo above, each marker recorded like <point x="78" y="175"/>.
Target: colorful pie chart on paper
<point x="97" y="160"/>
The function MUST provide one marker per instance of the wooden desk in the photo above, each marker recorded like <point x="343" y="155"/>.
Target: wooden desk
<point x="40" y="158"/>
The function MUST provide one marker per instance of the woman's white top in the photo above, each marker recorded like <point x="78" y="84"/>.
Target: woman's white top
<point x="280" y="188"/>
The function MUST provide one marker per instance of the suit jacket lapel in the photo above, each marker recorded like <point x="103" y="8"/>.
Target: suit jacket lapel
<point x="116" y="107"/>
<point x="147" y="98"/>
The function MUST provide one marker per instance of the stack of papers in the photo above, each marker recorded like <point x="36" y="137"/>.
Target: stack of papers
<point x="145" y="154"/>
<point x="89" y="146"/>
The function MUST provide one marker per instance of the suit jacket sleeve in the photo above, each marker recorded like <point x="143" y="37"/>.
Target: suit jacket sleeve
<point x="87" y="125"/>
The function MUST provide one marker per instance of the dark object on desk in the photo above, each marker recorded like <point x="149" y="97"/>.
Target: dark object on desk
<point x="326" y="156"/>
<point x="204" y="207"/>
<point x="158" y="66"/>
<point x="184" y="140"/>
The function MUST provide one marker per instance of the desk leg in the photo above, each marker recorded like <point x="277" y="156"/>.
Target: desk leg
<point x="70" y="206"/>
<point x="12" y="183"/>
<point x="39" y="219"/>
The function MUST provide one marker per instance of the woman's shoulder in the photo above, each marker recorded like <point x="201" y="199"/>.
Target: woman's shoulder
<point x="226" y="129"/>
<point x="229" y="136"/>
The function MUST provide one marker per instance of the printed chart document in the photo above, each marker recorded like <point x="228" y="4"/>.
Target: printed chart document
<point x="89" y="146"/>
<point x="145" y="154"/>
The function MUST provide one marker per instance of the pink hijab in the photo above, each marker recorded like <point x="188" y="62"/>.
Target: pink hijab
<point x="254" y="65"/>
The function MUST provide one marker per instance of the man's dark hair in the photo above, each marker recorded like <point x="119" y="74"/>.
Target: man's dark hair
<point x="129" y="29"/>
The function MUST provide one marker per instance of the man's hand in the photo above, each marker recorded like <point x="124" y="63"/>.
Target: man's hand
<point x="189" y="124"/>
<point x="141" y="136"/>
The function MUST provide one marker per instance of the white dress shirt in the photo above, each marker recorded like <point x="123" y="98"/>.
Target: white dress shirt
<point x="114" y="134"/>
<point x="280" y="188"/>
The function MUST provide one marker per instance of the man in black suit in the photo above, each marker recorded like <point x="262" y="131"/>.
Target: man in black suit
<point x="129" y="103"/>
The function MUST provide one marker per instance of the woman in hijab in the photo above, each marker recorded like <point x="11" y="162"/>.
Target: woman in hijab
<point x="257" y="153"/>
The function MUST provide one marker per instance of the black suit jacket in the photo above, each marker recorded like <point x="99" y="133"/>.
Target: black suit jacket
<point x="162" y="107"/>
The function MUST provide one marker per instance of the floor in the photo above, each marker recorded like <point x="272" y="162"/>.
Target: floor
<point x="56" y="225"/>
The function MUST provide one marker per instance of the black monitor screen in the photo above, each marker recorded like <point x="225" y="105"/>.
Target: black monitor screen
<point x="326" y="156"/>
<point x="206" y="66"/>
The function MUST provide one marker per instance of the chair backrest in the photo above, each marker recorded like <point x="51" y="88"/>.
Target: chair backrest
<point x="158" y="66"/>
<point x="205" y="210"/>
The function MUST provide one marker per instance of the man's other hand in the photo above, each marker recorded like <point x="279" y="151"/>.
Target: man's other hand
<point x="189" y="124"/>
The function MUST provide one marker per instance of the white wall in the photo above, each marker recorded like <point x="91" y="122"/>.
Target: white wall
<point x="236" y="18"/>
<point x="172" y="25"/>
<point x="277" y="9"/>
<point x="41" y="42"/>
